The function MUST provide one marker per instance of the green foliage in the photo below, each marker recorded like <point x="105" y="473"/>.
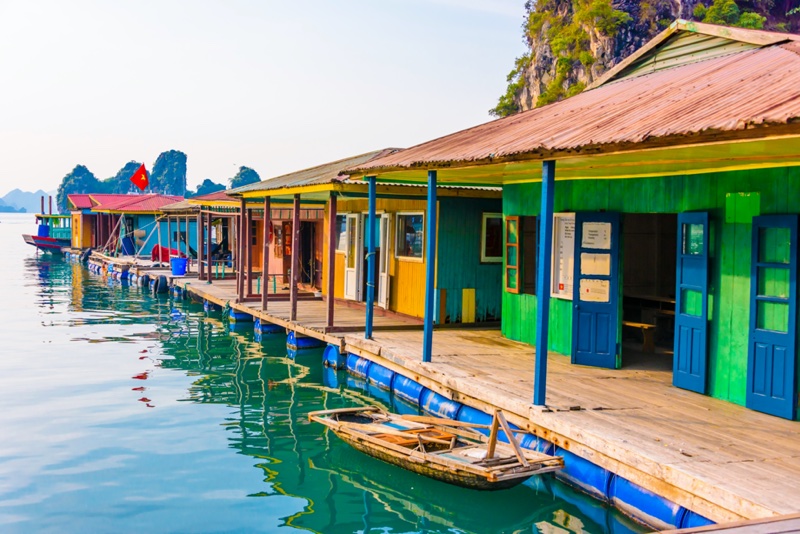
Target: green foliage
<point x="208" y="187"/>
<point x="507" y="104"/>
<point x="121" y="182"/>
<point x="169" y="173"/>
<point x="751" y="20"/>
<point x="600" y="14"/>
<point x="79" y="180"/>
<point x="727" y="13"/>
<point x="245" y="176"/>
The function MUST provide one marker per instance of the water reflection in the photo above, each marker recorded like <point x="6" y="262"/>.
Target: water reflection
<point x="345" y="490"/>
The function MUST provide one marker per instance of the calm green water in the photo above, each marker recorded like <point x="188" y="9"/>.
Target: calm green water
<point x="124" y="412"/>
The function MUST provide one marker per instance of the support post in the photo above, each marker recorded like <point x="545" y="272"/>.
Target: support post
<point x="295" y="258"/>
<point x="331" y="272"/>
<point x="210" y="257"/>
<point x="201" y="247"/>
<point x="370" y="259"/>
<point x="248" y="232"/>
<point x="240" y="264"/>
<point x="543" y="281"/>
<point x="265" y="253"/>
<point x="430" y="268"/>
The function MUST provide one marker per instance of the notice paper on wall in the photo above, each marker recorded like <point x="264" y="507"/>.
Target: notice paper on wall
<point x="596" y="264"/>
<point x="563" y="257"/>
<point x="596" y="235"/>
<point x="594" y="290"/>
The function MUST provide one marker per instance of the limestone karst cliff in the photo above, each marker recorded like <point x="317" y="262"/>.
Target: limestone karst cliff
<point x="573" y="42"/>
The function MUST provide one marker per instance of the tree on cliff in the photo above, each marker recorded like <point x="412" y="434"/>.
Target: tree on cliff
<point x="79" y="180"/>
<point x="120" y="183"/>
<point x="169" y="173"/>
<point x="245" y="176"/>
<point x="571" y="43"/>
<point x="208" y="187"/>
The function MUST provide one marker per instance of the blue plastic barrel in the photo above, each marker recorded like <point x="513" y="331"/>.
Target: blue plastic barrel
<point x="178" y="266"/>
<point x="357" y="365"/>
<point x="406" y="388"/>
<point x="380" y="376"/>
<point x="436" y="404"/>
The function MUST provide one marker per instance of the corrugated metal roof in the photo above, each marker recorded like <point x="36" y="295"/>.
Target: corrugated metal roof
<point x="181" y="206"/>
<point x="217" y="195"/>
<point x="80" y="202"/>
<point x="321" y="174"/>
<point x="731" y="93"/>
<point x="136" y="203"/>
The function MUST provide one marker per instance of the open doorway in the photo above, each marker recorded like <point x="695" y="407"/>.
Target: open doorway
<point x="648" y="290"/>
<point x="356" y="258"/>
<point x="308" y="259"/>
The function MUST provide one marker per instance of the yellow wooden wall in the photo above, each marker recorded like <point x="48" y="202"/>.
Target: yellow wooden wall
<point x="407" y="284"/>
<point x="82" y="230"/>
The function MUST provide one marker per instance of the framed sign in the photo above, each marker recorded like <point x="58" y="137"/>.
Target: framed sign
<point x="596" y="235"/>
<point x="563" y="257"/>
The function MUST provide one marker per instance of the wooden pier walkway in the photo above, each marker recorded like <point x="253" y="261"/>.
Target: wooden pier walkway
<point x="720" y="459"/>
<point x="311" y="314"/>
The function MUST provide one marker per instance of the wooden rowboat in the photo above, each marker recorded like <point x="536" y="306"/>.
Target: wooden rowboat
<point x="444" y="449"/>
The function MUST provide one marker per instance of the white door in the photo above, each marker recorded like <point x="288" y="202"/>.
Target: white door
<point x="352" y="258"/>
<point x="383" y="277"/>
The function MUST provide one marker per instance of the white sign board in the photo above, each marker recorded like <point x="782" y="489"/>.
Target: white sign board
<point x="596" y="235"/>
<point x="563" y="257"/>
<point x="595" y="264"/>
<point x="594" y="290"/>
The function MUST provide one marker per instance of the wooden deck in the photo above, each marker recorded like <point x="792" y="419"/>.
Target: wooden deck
<point x="719" y="459"/>
<point x="311" y="314"/>
<point x="773" y="525"/>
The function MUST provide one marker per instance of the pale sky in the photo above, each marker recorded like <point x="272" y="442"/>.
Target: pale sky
<point x="278" y="86"/>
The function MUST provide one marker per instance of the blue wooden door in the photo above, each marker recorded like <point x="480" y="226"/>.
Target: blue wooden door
<point x="771" y="358"/>
<point x="595" y="293"/>
<point x="691" y="303"/>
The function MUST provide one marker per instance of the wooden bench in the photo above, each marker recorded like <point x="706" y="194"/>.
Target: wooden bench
<point x="648" y="334"/>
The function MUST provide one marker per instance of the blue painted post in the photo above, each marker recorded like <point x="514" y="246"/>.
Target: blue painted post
<point x="430" y="268"/>
<point x="543" y="281"/>
<point x="370" y="258"/>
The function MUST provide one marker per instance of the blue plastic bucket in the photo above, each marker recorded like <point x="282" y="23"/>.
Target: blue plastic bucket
<point x="178" y="266"/>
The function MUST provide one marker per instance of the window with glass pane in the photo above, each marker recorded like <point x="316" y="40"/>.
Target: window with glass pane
<point x="341" y="233"/>
<point x="774" y="245"/>
<point x="410" y="227"/>
<point x="693" y="239"/>
<point x="492" y="238"/>
<point x="512" y="254"/>
<point x="772" y="316"/>
<point x="773" y="282"/>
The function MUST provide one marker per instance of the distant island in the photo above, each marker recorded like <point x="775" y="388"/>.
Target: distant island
<point x="168" y="176"/>
<point x="18" y="201"/>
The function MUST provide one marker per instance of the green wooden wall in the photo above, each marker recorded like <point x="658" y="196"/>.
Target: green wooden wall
<point x="778" y="191"/>
<point x="459" y="257"/>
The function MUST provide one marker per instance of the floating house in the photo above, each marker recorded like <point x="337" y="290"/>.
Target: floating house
<point x="654" y="215"/>
<point x="118" y="224"/>
<point x="329" y="231"/>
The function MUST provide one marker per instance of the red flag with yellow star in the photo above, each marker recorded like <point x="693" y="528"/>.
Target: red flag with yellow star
<point x="139" y="178"/>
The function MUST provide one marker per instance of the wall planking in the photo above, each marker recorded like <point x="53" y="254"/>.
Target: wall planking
<point x="729" y="289"/>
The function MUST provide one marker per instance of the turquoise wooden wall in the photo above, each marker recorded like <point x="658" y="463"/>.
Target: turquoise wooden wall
<point x="147" y="221"/>
<point x="459" y="257"/>
<point x="779" y="192"/>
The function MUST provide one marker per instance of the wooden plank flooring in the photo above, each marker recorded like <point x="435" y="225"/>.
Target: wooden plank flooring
<point x="311" y="314"/>
<point x="780" y="524"/>
<point x="719" y="459"/>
